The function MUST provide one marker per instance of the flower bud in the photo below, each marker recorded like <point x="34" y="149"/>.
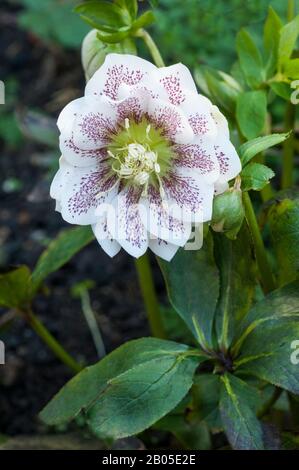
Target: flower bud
<point x="94" y="51"/>
<point x="228" y="212"/>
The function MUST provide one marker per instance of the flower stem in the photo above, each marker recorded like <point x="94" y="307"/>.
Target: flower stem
<point x="269" y="404"/>
<point x="51" y="342"/>
<point x="143" y="264"/>
<point x="288" y="148"/>
<point x="149" y="296"/>
<point x="152" y="47"/>
<point x="289" y="124"/>
<point x="266" y="275"/>
<point x="92" y="323"/>
<point x="291" y="10"/>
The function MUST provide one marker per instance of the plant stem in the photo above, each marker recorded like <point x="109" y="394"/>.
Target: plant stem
<point x="289" y="124"/>
<point x="291" y="11"/>
<point x="288" y="148"/>
<point x="266" y="275"/>
<point x="51" y="342"/>
<point x="92" y="323"/>
<point x="268" y="405"/>
<point x="143" y="264"/>
<point x="149" y="296"/>
<point x="151" y="45"/>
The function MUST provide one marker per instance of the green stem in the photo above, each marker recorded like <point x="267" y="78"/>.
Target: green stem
<point x="51" y="342"/>
<point x="92" y="324"/>
<point x="289" y="125"/>
<point x="269" y="404"/>
<point x="142" y="264"/>
<point x="291" y="10"/>
<point x="267" y="192"/>
<point x="151" y="45"/>
<point x="149" y="296"/>
<point x="266" y="275"/>
<point x="288" y="148"/>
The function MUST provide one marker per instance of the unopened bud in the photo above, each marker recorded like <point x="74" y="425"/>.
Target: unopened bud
<point x="228" y="212"/>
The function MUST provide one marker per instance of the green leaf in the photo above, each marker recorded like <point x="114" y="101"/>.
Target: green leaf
<point x="15" y="287"/>
<point x="143" y="20"/>
<point x="206" y="396"/>
<point x="272" y="29"/>
<point x="238" y="404"/>
<point x="39" y="127"/>
<point x="130" y="5"/>
<point x="250" y="60"/>
<point x="237" y="283"/>
<point x="266" y="352"/>
<point x="201" y="80"/>
<point x="251" y="113"/>
<point x="255" y="176"/>
<point x="60" y="251"/>
<point x="193" y="295"/>
<point x="113" y="38"/>
<point x="288" y="37"/>
<point x="192" y="434"/>
<point x="128" y="390"/>
<point x="252" y="148"/>
<point x="282" y="90"/>
<point x="290" y="441"/>
<point x="283" y="302"/>
<point x="291" y="68"/>
<point x="283" y="219"/>
<point x="223" y="94"/>
<point x="100" y="15"/>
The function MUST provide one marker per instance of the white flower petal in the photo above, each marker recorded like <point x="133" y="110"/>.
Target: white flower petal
<point x="124" y="222"/>
<point x="66" y="118"/>
<point x="94" y="124"/>
<point x="86" y="133"/>
<point x="110" y="246"/>
<point x="220" y="121"/>
<point x="189" y="196"/>
<point x="82" y="190"/>
<point x="199" y="156"/>
<point x="197" y="108"/>
<point x="169" y="118"/>
<point x="134" y="106"/>
<point x="220" y="187"/>
<point x="57" y="206"/>
<point x="159" y="222"/>
<point x="229" y="161"/>
<point x="163" y="249"/>
<point x="118" y="70"/>
<point x="77" y="156"/>
<point x="173" y="83"/>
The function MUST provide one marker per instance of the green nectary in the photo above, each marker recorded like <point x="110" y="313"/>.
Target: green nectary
<point x="140" y="153"/>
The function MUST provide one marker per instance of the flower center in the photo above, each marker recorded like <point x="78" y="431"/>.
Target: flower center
<point x="140" y="154"/>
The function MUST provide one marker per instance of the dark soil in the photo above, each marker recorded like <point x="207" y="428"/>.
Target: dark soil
<point x="48" y="78"/>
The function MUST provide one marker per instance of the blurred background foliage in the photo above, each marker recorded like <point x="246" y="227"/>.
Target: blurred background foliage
<point x="204" y="31"/>
<point x="184" y="30"/>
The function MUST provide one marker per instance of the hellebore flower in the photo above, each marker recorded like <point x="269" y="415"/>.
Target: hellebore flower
<point x="142" y="156"/>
